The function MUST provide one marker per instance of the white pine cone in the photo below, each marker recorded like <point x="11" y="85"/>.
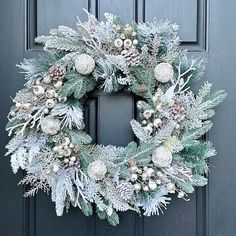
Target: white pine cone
<point x="57" y="72"/>
<point x="132" y="56"/>
<point x="164" y="72"/>
<point x="97" y="170"/>
<point x="125" y="190"/>
<point x="50" y="125"/>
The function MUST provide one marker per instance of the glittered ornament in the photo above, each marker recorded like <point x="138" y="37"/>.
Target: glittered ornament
<point x="161" y="157"/>
<point x="50" y="125"/>
<point x="125" y="190"/>
<point x="97" y="170"/>
<point x="163" y="72"/>
<point x="84" y="64"/>
<point x="57" y="72"/>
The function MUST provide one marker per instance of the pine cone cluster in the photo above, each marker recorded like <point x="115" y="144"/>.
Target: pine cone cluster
<point x="57" y="72"/>
<point x="125" y="190"/>
<point x="178" y="112"/>
<point x="132" y="56"/>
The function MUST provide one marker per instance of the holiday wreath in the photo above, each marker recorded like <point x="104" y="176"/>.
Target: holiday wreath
<point x="47" y="118"/>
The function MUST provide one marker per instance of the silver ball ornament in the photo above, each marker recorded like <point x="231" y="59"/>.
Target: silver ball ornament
<point x="84" y="64"/>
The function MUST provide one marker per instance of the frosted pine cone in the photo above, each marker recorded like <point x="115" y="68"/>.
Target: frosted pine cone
<point x="57" y="72"/>
<point x="178" y="112"/>
<point x="125" y="190"/>
<point x="132" y="57"/>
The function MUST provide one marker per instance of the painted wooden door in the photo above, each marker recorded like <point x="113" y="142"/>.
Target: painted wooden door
<point x="207" y="29"/>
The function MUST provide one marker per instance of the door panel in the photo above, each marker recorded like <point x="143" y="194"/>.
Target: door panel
<point x="203" y="31"/>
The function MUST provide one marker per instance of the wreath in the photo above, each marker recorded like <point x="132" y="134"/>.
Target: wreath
<point x="46" y="121"/>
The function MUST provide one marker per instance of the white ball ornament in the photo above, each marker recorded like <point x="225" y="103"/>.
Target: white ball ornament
<point x="97" y="170"/>
<point x="161" y="157"/>
<point x="84" y="64"/>
<point x="49" y="125"/>
<point x="163" y="72"/>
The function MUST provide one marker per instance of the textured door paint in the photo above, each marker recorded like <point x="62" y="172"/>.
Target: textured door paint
<point x="208" y="29"/>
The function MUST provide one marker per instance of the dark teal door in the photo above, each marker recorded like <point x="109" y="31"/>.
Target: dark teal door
<point x="207" y="29"/>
